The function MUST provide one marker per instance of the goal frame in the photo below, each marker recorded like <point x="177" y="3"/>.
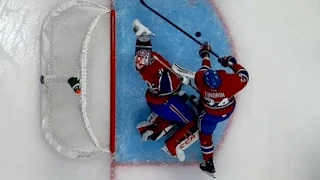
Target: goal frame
<point x="113" y="82"/>
<point x="111" y="130"/>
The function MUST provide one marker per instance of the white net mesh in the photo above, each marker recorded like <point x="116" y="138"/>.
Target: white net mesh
<point x="96" y="95"/>
<point x="76" y="43"/>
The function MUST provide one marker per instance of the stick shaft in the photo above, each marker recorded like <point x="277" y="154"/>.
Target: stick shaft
<point x="174" y="25"/>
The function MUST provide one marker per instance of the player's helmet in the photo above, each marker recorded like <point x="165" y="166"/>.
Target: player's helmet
<point x="142" y="59"/>
<point x="212" y="78"/>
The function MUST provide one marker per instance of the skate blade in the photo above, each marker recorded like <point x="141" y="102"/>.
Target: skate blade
<point x="210" y="174"/>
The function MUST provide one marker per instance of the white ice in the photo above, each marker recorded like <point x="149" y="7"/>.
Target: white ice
<point x="274" y="132"/>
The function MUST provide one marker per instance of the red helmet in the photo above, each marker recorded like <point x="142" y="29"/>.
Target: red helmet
<point x="142" y="59"/>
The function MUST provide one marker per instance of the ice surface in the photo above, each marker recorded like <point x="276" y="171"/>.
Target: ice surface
<point x="275" y="133"/>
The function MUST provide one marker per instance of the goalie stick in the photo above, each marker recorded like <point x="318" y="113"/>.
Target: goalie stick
<point x="177" y="27"/>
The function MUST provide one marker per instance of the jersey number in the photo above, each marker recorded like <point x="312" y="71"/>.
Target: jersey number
<point x="212" y="103"/>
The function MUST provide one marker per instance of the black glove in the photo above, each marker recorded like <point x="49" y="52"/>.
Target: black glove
<point x="226" y="61"/>
<point x="205" y="50"/>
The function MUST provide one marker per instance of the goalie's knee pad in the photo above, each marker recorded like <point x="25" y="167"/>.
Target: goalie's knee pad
<point x="181" y="140"/>
<point x="154" y="128"/>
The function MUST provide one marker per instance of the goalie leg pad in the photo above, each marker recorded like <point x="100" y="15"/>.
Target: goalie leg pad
<point x="154" y="128"/>
<point x="181" y="140"/>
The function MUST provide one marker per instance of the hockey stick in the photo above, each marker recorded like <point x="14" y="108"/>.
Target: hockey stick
<point x="177" y="27"/>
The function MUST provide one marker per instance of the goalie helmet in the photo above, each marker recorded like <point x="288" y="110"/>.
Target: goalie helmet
<point x="212" y="78"/>
<point x="142" y="59"/>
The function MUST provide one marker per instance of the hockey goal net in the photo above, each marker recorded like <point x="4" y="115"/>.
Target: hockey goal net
<point x="78" y="78"/>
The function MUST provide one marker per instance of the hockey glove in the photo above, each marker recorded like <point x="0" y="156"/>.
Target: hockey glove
<point x="227" y="61"/>
<point x="204" y="50"/>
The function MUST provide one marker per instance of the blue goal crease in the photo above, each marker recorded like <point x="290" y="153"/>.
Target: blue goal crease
<point x="198" y="16"/>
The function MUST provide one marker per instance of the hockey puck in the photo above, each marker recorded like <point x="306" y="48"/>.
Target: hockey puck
<point x="198" y="34"/>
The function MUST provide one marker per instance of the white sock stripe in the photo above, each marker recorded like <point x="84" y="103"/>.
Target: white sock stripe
<point x="207" y="147"/>
<point x="139" y="46"/>
<point x="210" y="152"/>
<point x="174" y="109"/>
<point x="171" y="87"/>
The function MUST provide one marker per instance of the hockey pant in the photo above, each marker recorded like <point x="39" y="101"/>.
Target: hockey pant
<point x="175" y="110"/>
<point x="207" y="124"/>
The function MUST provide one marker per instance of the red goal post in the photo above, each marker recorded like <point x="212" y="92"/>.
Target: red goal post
<point x="113" y="81"/>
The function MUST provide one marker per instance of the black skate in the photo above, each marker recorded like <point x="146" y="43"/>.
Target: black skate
<point x="208" y="168"/>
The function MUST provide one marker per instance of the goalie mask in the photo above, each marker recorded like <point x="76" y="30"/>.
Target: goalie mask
<point x="142" y="59"/>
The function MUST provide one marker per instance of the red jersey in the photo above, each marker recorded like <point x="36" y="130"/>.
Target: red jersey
<point x="220" y="101"/>
<point x="160" y="80"/>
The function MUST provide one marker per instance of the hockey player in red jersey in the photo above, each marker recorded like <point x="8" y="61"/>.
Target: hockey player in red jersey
<point x="167" y="103"/>
<point x="217" y="89"/>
